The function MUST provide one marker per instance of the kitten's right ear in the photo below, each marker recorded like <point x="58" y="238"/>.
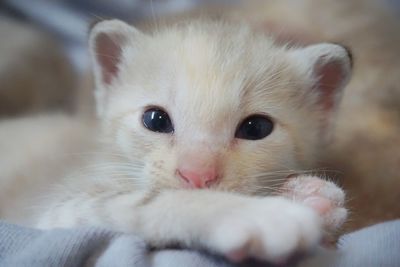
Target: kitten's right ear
<point x="107" y="40"/>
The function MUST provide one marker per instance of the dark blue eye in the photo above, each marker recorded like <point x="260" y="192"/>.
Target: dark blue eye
<point x="254" y="127"/>
<point x="157" y="120"/>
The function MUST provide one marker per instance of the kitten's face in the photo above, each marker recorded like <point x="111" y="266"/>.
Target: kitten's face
<point x="212" y="103"/>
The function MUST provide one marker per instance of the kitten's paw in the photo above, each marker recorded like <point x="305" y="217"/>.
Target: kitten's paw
<point x="323" y="196"/>
<point x="271" y="229"/>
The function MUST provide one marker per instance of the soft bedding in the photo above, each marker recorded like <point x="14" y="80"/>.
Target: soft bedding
<point x="375" y="246"/>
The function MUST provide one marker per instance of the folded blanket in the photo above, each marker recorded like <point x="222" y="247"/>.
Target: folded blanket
<point x="374" y="246"/>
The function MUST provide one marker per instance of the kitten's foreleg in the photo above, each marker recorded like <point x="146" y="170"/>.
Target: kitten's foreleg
<point x="270" y="228"/>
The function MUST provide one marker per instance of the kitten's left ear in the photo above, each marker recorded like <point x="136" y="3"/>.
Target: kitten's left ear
<point x="107" y="41"/>
<point x="328" y="68"/>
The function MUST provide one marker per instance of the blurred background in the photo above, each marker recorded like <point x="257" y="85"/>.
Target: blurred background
<point x="56" y="31"/>
<point x="69" y="20"/>
<point x="44" y="66"/>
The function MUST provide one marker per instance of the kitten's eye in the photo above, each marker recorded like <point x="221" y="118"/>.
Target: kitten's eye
<point x="254" y="127"/>
<point x="157" y="120"/>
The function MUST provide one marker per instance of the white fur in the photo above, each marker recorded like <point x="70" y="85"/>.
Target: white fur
<point x="208" y="76"/>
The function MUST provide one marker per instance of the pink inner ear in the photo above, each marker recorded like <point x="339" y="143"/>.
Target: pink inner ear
<point x="330" y="79"/>
<point x="108" y="53"/>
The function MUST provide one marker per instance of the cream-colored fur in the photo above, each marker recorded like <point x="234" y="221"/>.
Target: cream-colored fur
<point x="208" y="76"/>
<point x="363" y="152"/>
<point x="366" y="136"/>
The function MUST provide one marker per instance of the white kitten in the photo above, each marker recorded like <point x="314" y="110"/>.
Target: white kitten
<point x="210" y="106"/>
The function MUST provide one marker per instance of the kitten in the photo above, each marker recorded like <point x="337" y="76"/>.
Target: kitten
<point x="368" y="117"/>
<point x="364" y="147"/>
<point x="199" y="126"/>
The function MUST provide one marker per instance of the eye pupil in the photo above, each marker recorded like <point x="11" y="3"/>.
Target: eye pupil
<point x="254" y="127"/>
<point x="157" y="120"/>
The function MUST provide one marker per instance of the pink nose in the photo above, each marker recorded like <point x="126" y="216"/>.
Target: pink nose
<point x="198" y="179"/>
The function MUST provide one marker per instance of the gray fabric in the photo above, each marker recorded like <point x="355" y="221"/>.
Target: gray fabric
<point x="376" y="246"/>
<point x="20" y="246"/>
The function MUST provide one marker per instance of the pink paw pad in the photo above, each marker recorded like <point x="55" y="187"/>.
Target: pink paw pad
<point x="320" y="204"/>
<point x="324" y="197"/>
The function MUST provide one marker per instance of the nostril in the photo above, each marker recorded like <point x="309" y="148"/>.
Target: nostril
<point x="210" y="182"/>
<point x="191" y="178"/>
<point x="197" y="179"/>
<point x="178" y="172"/>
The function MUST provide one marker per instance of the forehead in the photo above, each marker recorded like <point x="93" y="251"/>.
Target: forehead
<point x="224" y="58"/>
<point x="207" y="72"/>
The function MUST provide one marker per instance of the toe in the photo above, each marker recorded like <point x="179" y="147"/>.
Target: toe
<point x="319" y="204"/>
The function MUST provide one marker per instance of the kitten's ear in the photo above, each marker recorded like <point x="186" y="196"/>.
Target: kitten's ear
<point x="107" y="40"/>
<point x="328" y="67"/>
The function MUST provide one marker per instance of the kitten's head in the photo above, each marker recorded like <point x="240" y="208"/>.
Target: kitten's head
<point x="211" y="104"/>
